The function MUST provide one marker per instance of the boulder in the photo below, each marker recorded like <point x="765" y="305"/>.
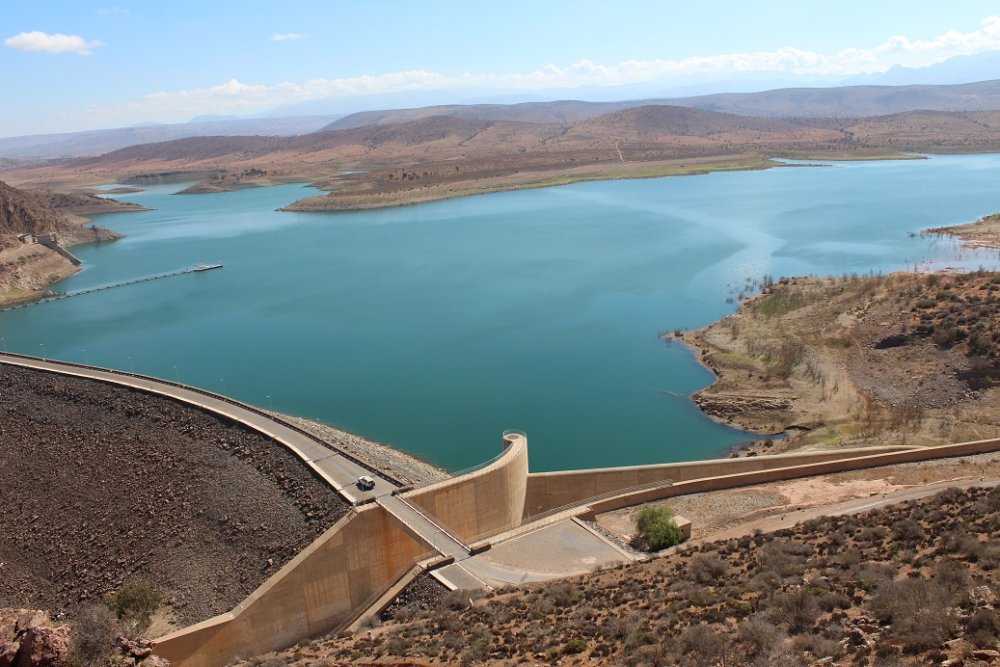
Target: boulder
<point x="28" y="639"/>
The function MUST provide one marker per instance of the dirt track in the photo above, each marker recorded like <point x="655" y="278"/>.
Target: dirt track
<point x="101" y="484"/>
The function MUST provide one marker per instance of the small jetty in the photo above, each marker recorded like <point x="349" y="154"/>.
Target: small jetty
<point x="197" y="268"/>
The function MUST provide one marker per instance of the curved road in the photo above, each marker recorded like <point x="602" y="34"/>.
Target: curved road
<point x="331" y="465"/>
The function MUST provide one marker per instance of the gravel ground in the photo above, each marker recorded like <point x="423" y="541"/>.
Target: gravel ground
<point x="101" y="484"/>
<point x="424" y="593"/>
<point x="719" y="510"/>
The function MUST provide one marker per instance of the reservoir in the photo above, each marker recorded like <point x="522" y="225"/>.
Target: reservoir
<point x="434" y="327"/>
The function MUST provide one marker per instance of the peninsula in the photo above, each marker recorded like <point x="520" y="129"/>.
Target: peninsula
<point x="381" y="162"/>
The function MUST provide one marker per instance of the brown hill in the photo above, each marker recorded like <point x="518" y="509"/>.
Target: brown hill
<point x="841" y="101"/>
<point x="853" y="101"/>
<point x="930" y="130"/>
<point x="562" y="112"/>
<point x="21" y="213"/>
<point x="436" y="156"/>
<point x="26" y="268"/>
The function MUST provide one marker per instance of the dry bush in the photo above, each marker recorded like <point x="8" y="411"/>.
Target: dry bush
<point x="705" y="569"/>
<point x="796" y="609"/>
<point x="564" y="594"/>
<point x="94" y="634"/>
<point x="759" y="635"/>
<point x="917" y="611"/>
<point x="983" y="628"/>
<point x="702" y="642"/>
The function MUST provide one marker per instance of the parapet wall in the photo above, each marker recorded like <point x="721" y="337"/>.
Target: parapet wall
<point x="487" y="500"/>
<point x="548" y="490"/>
<point x="864" y="458"/>
<point x="361" y="554"/>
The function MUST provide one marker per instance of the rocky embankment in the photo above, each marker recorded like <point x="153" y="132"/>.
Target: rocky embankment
<point x="857" y="361"/>
<point x="27" y="268"/>
<point x="29" y="638"/>
<point x="102" y="484"/>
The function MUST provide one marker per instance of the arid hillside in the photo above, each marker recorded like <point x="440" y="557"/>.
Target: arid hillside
<point x="904" y="358"/>
<point x="26" y="268"/>
<point x="840" y="101"/>
<point x="101" y="485"/>
<point x="910" y="584"/>
<point x="428" y="157"/>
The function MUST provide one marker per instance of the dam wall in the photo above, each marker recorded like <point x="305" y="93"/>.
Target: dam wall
<point x="363" y="554"/>
<point x="483" y="501"/>
<point x="549" y="490"/>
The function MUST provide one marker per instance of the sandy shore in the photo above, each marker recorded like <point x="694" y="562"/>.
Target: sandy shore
<point x="983" y="233"/>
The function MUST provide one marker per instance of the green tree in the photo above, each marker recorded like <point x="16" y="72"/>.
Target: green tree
<point x="657" y="526"/>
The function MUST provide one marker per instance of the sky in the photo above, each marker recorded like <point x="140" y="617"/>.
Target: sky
<point x="76" y="65"/>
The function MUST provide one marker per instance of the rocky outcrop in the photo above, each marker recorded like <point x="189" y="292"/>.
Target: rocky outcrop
<point x="26" y="267"/>
<point x="29" y="639"/>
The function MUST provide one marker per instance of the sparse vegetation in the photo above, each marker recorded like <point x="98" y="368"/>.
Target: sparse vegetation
<point x="911" y="596"/>
<point x="859" y="360"/>
<point x="134" y="604"/>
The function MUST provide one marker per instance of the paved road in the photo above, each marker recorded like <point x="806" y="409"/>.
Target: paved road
<point x="335" y="468"/>
<point x="423" y="526"/>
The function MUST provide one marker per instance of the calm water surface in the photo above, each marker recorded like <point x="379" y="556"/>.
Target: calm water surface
<point x="435" y="327"/>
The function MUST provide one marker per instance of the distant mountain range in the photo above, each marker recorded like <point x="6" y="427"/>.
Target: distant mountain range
<point x="95" y="142"/>
<point x="847" y="102"/>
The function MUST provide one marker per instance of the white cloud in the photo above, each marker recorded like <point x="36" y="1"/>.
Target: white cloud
<point x="237" y="97"/>
<point x="286" y="36"/>
<point x="114" y="9"/>
<point x="54" y="43"/>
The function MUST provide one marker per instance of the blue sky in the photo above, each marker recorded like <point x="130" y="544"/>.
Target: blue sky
<point x="80" y="65"/>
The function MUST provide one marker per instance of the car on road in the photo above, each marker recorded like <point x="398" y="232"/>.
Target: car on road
<point x="366" y="483"/>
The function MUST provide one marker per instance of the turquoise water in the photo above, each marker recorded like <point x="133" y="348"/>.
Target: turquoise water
<point x="435" y="327"/>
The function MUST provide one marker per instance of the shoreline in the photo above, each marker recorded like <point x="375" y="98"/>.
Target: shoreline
<point x="828" y="362"/>
<point x="35" y="268"/>
<point x="347" y="199"/>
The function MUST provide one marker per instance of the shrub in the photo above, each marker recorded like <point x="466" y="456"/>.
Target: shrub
<point x="797" y="609"/>
<point x="94" y="634"/>
<point x="707" y="569"/>
<point x="657" y="526"/>
<point x="760" y="636"/>
<point x="917" y="610"/>
<point x="574" y="646"/>
<point x="134" y="603"/>
<point x="983" y="628"/>
<point x="702" y="641"/>
<point x="564" y="594"/>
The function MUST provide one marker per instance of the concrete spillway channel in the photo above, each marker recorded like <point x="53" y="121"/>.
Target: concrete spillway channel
<point x="122" y="283"/>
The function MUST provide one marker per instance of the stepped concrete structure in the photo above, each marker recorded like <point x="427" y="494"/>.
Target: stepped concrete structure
<point x="392" y="534"/>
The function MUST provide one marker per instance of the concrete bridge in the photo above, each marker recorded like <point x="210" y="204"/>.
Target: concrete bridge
<point x="392" y="533"/>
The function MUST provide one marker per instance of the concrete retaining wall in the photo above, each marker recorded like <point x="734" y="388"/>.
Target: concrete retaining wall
<point x="548" y="490"/>
<point x="738" y="479"/>
<point x="361" y="554"/>
<point x="483" y="501"/>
